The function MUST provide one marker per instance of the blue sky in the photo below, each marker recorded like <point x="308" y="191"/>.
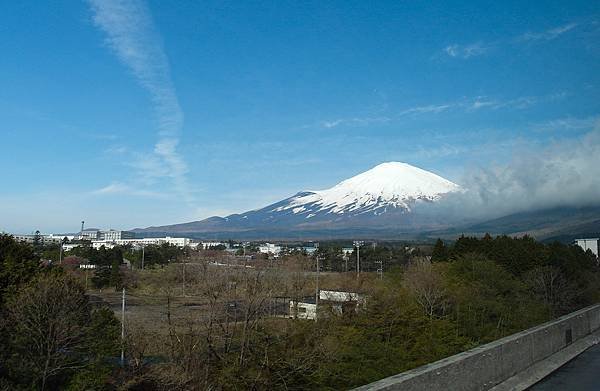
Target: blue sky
<point x="133" y="113"/>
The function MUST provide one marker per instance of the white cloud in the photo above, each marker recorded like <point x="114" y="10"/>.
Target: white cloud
<point x="456" y="50"/>
<point x="132" y="36"/>
<point x="564" y="174"/>
<point x="547" y="35"/>
<point x="466" y="51"/>
<point x="567" y="123"/>
<point x="428" y="109"/>
<point x="356" y="121"/>
<point x="118" y="188"/>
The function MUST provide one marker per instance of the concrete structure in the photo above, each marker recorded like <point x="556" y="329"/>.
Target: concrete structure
<point x="588" y="244"/>
<point x="506" y="363"/>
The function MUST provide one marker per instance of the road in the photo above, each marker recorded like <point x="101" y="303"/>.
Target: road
<point x="581" y="373"/>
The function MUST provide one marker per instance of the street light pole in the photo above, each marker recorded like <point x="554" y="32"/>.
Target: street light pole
<point x="317" y="292"/>
<point x="123" y="330"/>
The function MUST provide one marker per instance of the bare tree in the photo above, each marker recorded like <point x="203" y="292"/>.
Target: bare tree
<point x="426" y="284"/>
<point x="549" y="284"/>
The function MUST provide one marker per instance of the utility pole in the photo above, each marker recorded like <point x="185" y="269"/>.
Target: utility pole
<point x="143" y="255"/>
<point x="358" y="243"/>
<point x="183" y="267"/>
<point x="123" y="330"/>
<point x="317" y="292"/>
<point x="60" y="253"/>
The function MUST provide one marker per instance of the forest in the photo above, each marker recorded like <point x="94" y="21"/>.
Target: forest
<point x="200" y="320"/>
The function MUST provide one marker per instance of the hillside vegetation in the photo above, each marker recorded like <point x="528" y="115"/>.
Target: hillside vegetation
<point x="198" y="322"/>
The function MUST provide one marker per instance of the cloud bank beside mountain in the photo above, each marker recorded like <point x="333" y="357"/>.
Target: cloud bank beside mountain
<point x="565" y="174"/>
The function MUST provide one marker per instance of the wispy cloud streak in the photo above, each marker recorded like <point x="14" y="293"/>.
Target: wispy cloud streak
<point x="131" y="34"/>
<point x="465" y="51"/>
<point x="547" y="35"/>
<point x="475" y="49"/>
<point x="467" y="105"/>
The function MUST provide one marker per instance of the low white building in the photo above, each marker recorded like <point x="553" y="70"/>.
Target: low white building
<point x="70" y="246"/>
<point x="269" y="248"/>
<point x="340" y="296"/>
<point x="302" y="310"/>
<point x="337" y="302"/>
<point x="588" y="244"/>
<point x="347" y="251"/>
<point x="208" y="245"/>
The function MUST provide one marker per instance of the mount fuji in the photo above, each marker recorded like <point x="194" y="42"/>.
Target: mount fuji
<point x="382" y="198"/>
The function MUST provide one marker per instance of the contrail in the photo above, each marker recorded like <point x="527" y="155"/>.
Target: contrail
<point x="131" y="34"/>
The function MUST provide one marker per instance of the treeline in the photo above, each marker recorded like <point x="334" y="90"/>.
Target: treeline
<point x="153" y="255"/>
<point x="372" y="257"/>
<point x="426" y="307"/>
<point x="563" y="276"/>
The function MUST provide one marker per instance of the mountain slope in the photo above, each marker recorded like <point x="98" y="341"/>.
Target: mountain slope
<point x="564" y="224"/>
<point x="380" y="198"/>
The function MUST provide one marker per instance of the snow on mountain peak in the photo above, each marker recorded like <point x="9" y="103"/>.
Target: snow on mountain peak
<point x="391" y="184"/>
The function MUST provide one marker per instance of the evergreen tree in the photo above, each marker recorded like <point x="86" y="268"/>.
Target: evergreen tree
<point x="115" y="274"/>
<point x="440" y="252"/>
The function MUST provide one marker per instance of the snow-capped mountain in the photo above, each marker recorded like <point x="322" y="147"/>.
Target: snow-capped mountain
<point x="392" y="185"/>
<point x="382" y="197"/>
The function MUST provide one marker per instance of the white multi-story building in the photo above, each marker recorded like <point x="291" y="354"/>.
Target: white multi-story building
<point x="588" y="244"/>
<point x="46" y="239"/>
<point x="90" y="234"/>
<point x="179" y="242"/>
<point x="113" y="234"/>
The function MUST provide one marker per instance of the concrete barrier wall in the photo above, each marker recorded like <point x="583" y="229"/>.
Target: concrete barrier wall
<point x="488" y="365"/>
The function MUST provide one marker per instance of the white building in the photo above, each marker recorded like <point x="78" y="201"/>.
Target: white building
<point x="340" y="296"/>
<point x="337" y="302"/>
<point x="588" y="244"/>
<point x="69" y="246"/>
<point x="269" y="248"/>
<point x="46" y="239"/>
<point x="347" y="251"/>
<point x="141" y="242"/>
<point x="302" y="310"/>
<point x="208" y="245"/>
<point x="89" y="234"/>
<point x="113" y="234"/>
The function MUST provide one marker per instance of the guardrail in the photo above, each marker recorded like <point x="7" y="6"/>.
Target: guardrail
<point x="488" y="365"/>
